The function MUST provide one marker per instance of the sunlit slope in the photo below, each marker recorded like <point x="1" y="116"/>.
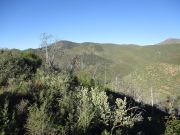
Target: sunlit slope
<point x="163" y="79"/>
<point x="119" y="59"/>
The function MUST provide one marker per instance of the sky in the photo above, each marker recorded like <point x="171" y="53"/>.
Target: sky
<point x="142" y="22"/>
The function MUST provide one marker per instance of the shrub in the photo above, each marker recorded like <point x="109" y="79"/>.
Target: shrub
<point x="22" y="106"/>
<point x="172" y="127"/>
<point x="85" y="110"/>
<point x="121" y="119"/>
<point x="18" y="67"/>
<point x="84" y="78"/>
<point x="101" y="105"/>
<point x="7" y="119"/>
<point x="39" y="122"/>
<point x="105" y="132"/>
<point x="4" y="118"/>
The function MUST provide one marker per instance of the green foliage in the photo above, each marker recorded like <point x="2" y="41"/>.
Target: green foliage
<point x="101" y="105"/>
<point x="22" y="107"/>
<point x="84" y="78"/>
<point x="4" y="118"/>
<point x="39" y="121"/>
<point x="17" y="65"/>
<point x="93" y="107"/>
<point x="105" y="132"/>
<point x="163" y="78"/>
<point x="172" y="127"/>
<point x="7" y="119"/>
<point x="85" y="110"/>
<point x="121" y="118"/>
<point x="28" y="54"/>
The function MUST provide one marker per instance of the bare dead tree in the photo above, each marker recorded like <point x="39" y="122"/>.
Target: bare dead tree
<point x="44" y="45"/>
<point x="49" y="44"/>
<point x="53" y="52"/>
<point x="152" y="97"/>
<point x="117" y="82"/>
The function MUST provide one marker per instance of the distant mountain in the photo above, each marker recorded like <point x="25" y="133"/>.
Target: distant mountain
<point x="170" y="41"/>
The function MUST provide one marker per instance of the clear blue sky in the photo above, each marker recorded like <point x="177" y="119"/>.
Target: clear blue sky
<point x="117" y="21"/>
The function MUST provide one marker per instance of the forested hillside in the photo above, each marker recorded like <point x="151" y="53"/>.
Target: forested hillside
<point x="126" y="68"/>
<point x="88" y="89"/>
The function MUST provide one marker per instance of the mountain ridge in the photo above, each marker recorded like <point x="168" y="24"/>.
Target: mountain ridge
<point x="164" y="42"/>
<point x="170" y="41"/>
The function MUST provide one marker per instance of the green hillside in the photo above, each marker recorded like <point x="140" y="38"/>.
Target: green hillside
<point x="109" y="63"/>
<point x="120" y="56"/>
<point x="162" y="78"/>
